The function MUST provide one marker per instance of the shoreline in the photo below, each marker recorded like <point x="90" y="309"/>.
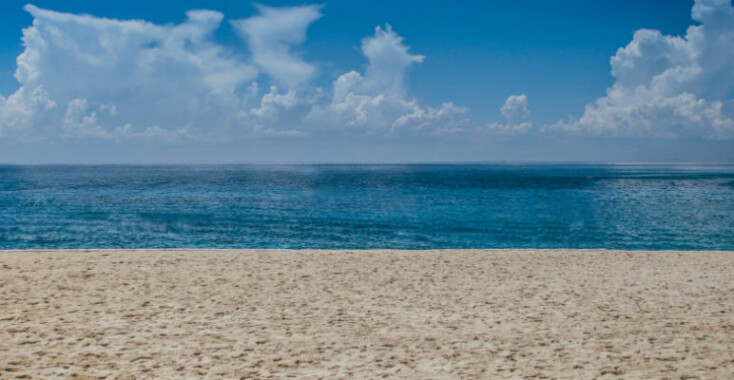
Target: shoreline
<point x="312" y="314"/>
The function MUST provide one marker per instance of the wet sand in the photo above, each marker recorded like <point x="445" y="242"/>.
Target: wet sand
<point x="366" y="314"/>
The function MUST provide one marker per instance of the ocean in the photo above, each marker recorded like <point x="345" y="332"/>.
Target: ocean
<point x="368" y="206"/>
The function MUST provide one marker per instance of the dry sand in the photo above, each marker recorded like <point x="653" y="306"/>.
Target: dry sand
<point x="366" y="314"/>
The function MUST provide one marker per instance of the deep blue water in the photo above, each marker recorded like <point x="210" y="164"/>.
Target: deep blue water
<point x="385" y="206"/>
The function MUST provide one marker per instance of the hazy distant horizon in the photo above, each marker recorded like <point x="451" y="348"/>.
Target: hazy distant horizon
<point x="631" y="151"/>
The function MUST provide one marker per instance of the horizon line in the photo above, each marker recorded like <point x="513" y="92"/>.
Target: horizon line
<point x="407" y="163"/>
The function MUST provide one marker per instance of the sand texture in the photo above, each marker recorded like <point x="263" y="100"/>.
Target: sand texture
<point x="366" y="314"/>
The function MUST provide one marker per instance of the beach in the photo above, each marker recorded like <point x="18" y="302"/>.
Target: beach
<point x="306" y="314"/>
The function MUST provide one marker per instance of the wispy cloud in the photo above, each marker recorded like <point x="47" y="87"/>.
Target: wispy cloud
<point x="271" y="36"/>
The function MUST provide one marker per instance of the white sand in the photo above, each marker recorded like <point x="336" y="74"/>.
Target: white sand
<point x="366" y="314"/>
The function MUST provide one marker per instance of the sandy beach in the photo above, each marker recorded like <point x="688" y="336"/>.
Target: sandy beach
<point x="366" y="314"/>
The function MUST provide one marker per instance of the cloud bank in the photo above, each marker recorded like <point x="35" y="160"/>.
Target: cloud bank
<point x="85" y="77"/>
<point x="670" y="86"/>
<point x="89" y="78"/>
<point x="110" y="79"/>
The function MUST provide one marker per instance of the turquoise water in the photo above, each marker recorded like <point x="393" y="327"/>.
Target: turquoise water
<point x="354" y="206"/>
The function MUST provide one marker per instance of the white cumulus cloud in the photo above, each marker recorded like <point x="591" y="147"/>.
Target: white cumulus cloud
<point x="135" y="73"/>
<point x="378" y="100"/>
<point x="19" y="110"/>
<point x="515" y="110"/>
<point x="280" y="113"/>
<point x="670" y="86"/>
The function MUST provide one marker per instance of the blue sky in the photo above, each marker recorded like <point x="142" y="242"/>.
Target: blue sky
<point x="449" y="81"/>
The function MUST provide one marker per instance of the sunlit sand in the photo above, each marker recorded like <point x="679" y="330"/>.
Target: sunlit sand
<point x="366" y="314"/>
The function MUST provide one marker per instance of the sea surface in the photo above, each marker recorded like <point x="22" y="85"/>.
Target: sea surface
<point x="365" y="206"/>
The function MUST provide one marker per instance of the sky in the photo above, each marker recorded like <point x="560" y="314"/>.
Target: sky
<point x="366" y="81"/>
